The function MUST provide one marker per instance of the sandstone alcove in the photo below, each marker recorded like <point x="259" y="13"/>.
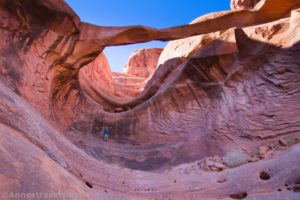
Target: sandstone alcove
<point x="218" y="118"/>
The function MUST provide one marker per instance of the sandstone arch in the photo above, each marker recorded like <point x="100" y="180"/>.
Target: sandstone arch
<point x="237" y="86"/>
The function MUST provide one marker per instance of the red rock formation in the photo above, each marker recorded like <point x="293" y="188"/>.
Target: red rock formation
<point x="234" y="89"/>
<point x="98" y="74"/>
<point x="140" y="67"/>
<point x="143" y="62"/>
<point x="128" y="85"/>
<point x="243" y="4"/>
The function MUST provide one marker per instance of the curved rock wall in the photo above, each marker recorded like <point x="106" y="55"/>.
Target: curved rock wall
<point x="98" y="74"/>
<point x="234" y="89"/>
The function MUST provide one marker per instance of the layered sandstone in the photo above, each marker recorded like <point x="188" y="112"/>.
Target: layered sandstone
<point x="243" y="4"/>
<point x="234" y="89"/>
<point x="98" y="74"/>
<point x="140" y="67"/>
<point x="143" y="62"/>
<point x="128" y="85"/>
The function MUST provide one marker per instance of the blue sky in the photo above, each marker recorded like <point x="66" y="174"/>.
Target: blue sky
<point x="153" y="13"/>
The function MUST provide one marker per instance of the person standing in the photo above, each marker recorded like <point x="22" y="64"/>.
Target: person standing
<point x="106" y="133"/>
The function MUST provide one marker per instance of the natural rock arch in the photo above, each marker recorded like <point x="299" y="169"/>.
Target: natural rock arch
<point x="237" y="87"/>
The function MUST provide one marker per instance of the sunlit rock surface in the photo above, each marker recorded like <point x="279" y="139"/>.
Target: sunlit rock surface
<point x="231" y="90"/>
<point x="243" y="4"/>
<point x="143" y="62"/>
<point x="139" y="69"/>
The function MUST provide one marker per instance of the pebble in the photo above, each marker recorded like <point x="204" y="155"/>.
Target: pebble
<point x="214" y="168"/>
<point x="263" y="150"/>
<point x="254" y="159"/>
<point x="283" y="142"/>
<point x="210" y="163"/>
<point x="220" y="166"/>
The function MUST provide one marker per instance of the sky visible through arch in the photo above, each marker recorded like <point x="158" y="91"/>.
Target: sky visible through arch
<point x="153" y="13"/>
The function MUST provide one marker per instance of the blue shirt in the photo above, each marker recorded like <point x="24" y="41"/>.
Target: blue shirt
<point x="106" y="131"/>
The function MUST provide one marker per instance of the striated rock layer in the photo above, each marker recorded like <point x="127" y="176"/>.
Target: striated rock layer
<point x="143" y="62"/>
<point x="226" y="98"/>
<point x="140" y="67"/>
<point x="243" y="4"/>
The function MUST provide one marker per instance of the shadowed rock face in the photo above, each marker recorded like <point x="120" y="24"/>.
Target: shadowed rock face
<point x="98" y="74"/>
<point x="235" y="88"/>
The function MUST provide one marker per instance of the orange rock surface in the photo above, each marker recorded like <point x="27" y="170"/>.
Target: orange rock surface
<point x="218" y="119"/>
<point x="243" y="4"/>
<point x="143" y="62"/>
